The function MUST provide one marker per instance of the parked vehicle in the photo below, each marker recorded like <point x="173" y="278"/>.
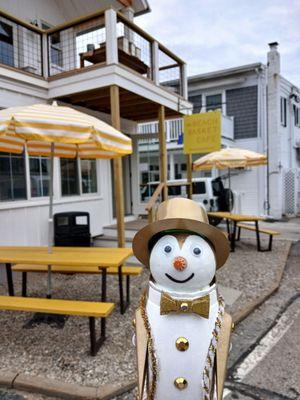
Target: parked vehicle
<point x="208" y="191"/>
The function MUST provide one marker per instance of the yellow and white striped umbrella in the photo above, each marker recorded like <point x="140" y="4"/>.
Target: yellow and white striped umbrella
<point x="73" y="132"/>
<point x="229" y="158"/>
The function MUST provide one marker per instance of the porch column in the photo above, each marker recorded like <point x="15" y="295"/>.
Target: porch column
<point x="163" y="160"/>
<point x="189" y="175"/>
<point x="118" y="174"/>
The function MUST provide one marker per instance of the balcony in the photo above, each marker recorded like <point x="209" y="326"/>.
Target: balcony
<point x="174" y="128"/>
<point x="92" y="42"/>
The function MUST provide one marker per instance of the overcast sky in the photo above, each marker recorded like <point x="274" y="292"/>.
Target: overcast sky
<point x="215" y="34"/>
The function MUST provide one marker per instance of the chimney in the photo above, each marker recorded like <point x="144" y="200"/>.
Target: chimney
<point x="274" y="139"/>
<point x="274" y="58"/>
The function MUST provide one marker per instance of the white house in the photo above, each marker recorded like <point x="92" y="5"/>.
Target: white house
<point x="75" y="52"/>
<point x="261" y="112"/>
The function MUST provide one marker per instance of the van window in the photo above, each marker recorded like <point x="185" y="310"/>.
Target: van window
<point x="174" y="191"/>
<point x="199" y="188"/>
<point x="217" y="186"/>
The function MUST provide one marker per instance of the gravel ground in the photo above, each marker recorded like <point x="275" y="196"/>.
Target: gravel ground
<point x="63" y="353"/>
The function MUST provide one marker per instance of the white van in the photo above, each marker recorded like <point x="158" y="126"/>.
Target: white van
<point x="208" y="191"/>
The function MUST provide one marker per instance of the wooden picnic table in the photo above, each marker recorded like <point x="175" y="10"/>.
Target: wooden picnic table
<point x="100" y="258"/>
<point x="236" y="218"/>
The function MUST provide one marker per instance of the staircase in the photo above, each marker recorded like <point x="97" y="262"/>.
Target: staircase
<point x="110" y="236"/>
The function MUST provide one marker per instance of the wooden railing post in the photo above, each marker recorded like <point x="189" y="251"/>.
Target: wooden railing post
<point x="118" y="174"/>
<point x="46" y="62"/>
<point x="163" y="162"/>
<point x="150" y="207"/>
<point x="189" y="173"/>
<point x="155" y="62"/>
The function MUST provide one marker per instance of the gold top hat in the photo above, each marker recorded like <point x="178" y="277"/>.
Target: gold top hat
<point x="182" y="214"/>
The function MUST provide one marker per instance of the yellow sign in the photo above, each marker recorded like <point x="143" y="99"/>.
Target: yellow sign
<point x="202" y="132"/>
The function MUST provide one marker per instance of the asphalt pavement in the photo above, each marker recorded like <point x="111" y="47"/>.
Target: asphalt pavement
<point x="264" y="361"/>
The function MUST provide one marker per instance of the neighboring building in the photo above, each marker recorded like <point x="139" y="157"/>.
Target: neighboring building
<point x="262" y="113"/>
<point x="50" y="50"/>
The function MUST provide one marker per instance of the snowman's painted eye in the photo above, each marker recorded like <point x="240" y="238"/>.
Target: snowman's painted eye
<point x="167" y="249"/>
<point x="196" y="251"/>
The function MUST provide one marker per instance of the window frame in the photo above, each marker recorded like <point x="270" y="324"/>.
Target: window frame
<point x="11" y="26"/>
<point x="28" y="174"/>
<point x="283" y="111"/>
<point x="80" y="178"/>
<point x="296" y="116"/>
<point x="81" y="193"/>
<point x="214" y="92"/>
<point x="214" y="109"/>
<point x="12" y="199"/>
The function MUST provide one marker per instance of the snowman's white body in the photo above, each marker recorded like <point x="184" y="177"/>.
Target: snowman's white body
<point x="166" y="329"/>
<point x="188" y="281"/>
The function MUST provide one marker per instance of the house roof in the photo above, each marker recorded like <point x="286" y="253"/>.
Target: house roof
<point x="226" y="72"/>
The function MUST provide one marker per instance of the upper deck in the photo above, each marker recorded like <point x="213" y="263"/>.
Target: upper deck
<point x="80" y="59"/>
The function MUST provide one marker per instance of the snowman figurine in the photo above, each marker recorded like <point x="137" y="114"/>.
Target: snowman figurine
<point x="182" y="333"/>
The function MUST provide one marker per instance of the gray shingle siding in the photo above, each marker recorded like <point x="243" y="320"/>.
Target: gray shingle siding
<point x="242" y="105"/>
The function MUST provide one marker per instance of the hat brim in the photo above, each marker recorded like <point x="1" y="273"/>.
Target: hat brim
<point x="216" y="237"/>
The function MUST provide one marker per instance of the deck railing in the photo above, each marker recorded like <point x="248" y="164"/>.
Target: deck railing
<point x="103" y="38"/>
<point x="21" y="45"/>
<point x="152" y="204"/>
<point x="173" y="128"/>
<point x="77" y="45"/>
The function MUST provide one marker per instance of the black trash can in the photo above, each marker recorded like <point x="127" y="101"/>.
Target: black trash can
<point x="72" y="229"/>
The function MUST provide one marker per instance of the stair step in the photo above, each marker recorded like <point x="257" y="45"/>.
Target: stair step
<point x="112" y="232"/>
<point x="109" y="241"/>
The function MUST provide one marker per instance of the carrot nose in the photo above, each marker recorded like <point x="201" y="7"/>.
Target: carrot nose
<point x="179" y="263"/>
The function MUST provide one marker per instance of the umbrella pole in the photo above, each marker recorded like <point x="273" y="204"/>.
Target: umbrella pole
<point x="50" y="222"/>
<point x="229" y="184"/>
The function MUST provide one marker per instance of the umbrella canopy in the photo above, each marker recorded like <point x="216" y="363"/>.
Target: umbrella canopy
<point x="229" y="158"/>
<point x="52" y="130"/>
<point x="73" y="132"/>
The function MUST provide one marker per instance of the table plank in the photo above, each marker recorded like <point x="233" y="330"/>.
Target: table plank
<point x="235" y="217"/>
<point x="100" y="257"/>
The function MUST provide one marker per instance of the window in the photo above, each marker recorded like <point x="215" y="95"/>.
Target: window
<point x="283" y="111"/>
<point x="199" y="188"/>
<point x="6" y="44"/>
<point x="39" y="176"/>
<point x="214" y="102"/>
<point x="297" y="116"/>
<point x="55" y="49"/>
<point x="69" y="176"/>
<point x="89" y="176"/>
<point x="12" y="177"/>
<point x="197" y="103"/>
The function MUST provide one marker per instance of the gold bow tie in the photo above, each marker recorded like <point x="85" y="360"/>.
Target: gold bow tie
<point x="198" y="306"/>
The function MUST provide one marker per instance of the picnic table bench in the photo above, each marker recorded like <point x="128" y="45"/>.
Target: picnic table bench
<point x="126" y="270"/>
<point x="252" y="228"/>
<point x="88" y="309"/>
<point x="238" y="220"/>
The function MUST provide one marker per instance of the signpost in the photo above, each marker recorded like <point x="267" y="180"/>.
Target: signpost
<point x="202" y="134"/>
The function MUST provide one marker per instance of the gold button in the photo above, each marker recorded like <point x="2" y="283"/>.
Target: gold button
<point x="184" y="307"/>
<point x="182" y="344"/>
<point x="180" y="383"/>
